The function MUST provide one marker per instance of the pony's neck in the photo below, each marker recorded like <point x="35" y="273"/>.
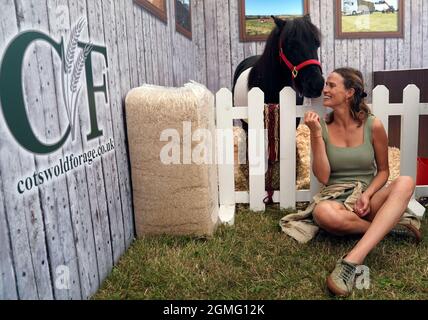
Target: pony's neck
<point x="270" y="74"/>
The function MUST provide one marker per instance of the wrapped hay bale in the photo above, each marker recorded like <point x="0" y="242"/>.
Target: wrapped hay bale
<point x="173" y="198"/>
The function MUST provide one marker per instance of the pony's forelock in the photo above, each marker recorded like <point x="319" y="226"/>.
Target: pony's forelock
<point x="296" y="28"/>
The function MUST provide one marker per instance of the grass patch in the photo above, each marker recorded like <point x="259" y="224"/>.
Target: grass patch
<point x="375" y="22"/>
<point x="254" y="260"/>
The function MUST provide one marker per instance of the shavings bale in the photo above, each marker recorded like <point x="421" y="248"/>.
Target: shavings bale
<point x="174" y="199"/>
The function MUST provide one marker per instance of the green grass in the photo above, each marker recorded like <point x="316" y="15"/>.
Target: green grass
<point x="254" y="27"/>
<point x="254" y="260"/>
<point x="375" y="22"/>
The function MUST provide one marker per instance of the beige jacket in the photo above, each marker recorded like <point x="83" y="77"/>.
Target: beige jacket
<point x="301" y="225"/>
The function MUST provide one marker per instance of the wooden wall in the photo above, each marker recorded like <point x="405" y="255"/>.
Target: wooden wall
<point x="225" y="51"/>
<point x="84" y="220"/>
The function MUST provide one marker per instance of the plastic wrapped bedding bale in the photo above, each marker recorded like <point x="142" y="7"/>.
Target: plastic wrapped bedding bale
<point x="179" y="198"/>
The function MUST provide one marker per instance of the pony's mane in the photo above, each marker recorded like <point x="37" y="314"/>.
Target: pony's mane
<point x="299" y="29"/>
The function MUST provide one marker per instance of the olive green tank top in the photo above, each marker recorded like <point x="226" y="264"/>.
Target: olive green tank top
<point x="353" y="163"/>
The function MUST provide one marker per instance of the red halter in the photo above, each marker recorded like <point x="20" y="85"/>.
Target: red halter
<point x="295" y="69"/>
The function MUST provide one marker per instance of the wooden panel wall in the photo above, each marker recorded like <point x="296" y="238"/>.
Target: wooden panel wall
<point x="83" y="221"/>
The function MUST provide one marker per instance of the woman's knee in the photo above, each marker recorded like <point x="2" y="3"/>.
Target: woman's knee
<point x="328" y="217"/>
<point x="404" y="185"/>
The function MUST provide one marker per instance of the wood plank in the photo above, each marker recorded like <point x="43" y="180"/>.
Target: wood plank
<point x="168" y="53"/>
<point x="405" y="43"/>
<point x="32" y="17"/>
<point x="223" y="36"/>
<point x="54" y="194"/>
<point x="110" y="177"/>
<point x="391" y="54"/>
<point x="256" y="149"/>
<point x="212" y="45"/>
<point x="59" y="24"/>
<point x="314" y="11"/>
<point x="287" y="143"/>
<point x="118" y="125"/>
<point x="140" y="46"/>
<point x="9" y="269"/>
<point x="354" y="54"/>
<point x="340" y="53"/>
<point x="237" y="47"/>
<point x="366" y="65"/>
<point x="327" y="30"/>
<point x="425" y="33"/>
<point x="87" y="196"/>
<point x="198" y="19"/>
<point x="416" y="44"/>
<point x="132" y="42"/>
<point x="225" y="150"/>
<point x="125" y="86"/>
<point x="409" y="131"/>
<point x="95" y="177"/>
<point x="378" y="54"/>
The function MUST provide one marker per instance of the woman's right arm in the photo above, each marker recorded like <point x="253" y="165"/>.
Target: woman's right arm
<point x="320" y="163"/>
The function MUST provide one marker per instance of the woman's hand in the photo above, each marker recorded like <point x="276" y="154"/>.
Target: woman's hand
<point x="312" y="120"/>
<point x="362" y="206"/>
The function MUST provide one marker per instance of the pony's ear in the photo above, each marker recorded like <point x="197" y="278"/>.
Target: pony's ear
<point x="279" y="22"/>
<point x="307" y="17"/>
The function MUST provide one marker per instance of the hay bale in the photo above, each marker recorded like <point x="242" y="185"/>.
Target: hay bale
<point x="303" y="161"/>
<point x="175" y="199"/>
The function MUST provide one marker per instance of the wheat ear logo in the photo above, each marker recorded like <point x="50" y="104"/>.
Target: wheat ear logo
<point x="72" y="72"/>
<point x="76" y="59"/>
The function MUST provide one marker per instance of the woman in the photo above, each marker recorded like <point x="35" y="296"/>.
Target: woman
<point x="351" y="147"/>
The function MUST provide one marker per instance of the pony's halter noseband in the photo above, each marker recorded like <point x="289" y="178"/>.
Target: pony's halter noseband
<point x="295" y="69"/>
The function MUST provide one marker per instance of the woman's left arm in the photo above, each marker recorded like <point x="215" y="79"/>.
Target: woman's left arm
<point x="380" y="145"/>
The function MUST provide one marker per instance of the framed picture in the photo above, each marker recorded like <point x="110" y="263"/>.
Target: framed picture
<point x="255" y="16"/>
<point x="155" y="7"/>
<point x="183" y="17"/>
<point x="369" y="19"/>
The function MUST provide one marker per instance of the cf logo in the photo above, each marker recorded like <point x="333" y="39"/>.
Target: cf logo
<point x="12" y="99"/>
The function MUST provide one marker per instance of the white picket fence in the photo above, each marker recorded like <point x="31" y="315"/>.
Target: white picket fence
<point x="287" y="196"/>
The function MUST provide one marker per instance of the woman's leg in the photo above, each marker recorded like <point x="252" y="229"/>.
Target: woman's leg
<point x="333" y="217"/>
<point x="387" y="208"/>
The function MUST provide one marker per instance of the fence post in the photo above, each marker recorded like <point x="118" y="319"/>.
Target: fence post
<point x="409" y="131"/>
<point x="256" y="149"/>
<point x="318" y="106"/>
<point x="380" y="105"/>
<point x="225" y="156"/>
<point x="287" y="140"/>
